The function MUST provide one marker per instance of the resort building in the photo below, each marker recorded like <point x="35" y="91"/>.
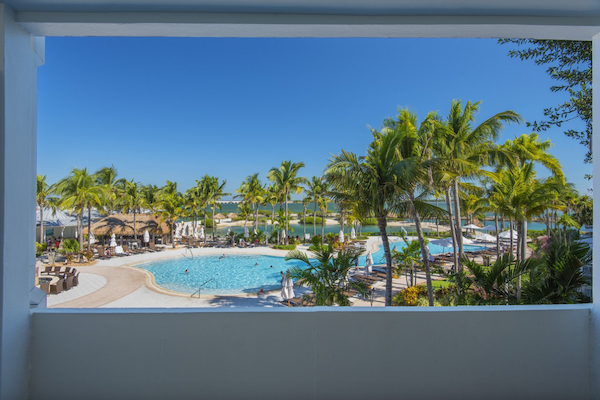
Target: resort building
<point x="512" y="352"/>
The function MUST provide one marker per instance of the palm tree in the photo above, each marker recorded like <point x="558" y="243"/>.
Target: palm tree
<point x="327" y="275"/>
<point x="305" y="203"/>
<point x="286" y="181"/>
<point x="214" y="193"/>
<point x="78" y="191"/>
<point x="44" y="198"/>
<point x="253" y="192"/>
<point x="106" y="177"/>
<point x="132" y="201"/>
<point x="467" y="149"/>
<point x="373" y="182"/>
<point x="170" y="206"/>
<point x="407" y="257"/>
<point x="150" y="193"/>
<point x="272" y="197"/>
<point x="313" y="189"/>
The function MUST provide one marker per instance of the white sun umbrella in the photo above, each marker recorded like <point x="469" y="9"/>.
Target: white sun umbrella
<point x="284" y="288"/>
<point x="369" y="263"/>
<point x="467" y="241"/>
<point x="76" y="233"/>
<point x="484" y="237"/>
<point x="471" y="226"/>
<point x="113" y="241"/>
<point x="353" y="234"/>
<point x="489" y="228"/>
<point x="146" y="236"/>
<point x="195" y="234"/>
<point x="202" y="233"/>
<point x="246" y="233"/>
<point x="289" y="285"/>
<point x="446" y="242"/>
<point x="255" y="231"/>
<point x="341" y="236"/>
<point x="283" y="233"/>
<point x="506" y="235"/>
<point x="92" y="238"/>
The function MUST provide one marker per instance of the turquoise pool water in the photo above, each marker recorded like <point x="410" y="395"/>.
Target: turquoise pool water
<point x="236" y="274"/>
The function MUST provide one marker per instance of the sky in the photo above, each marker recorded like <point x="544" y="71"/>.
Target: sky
<point x="178" y="108"/>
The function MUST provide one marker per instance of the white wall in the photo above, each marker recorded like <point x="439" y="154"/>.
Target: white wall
<point x="18" y="103"/>
<point x="463" y="353"/>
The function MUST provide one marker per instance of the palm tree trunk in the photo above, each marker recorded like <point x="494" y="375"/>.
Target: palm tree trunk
<point x="510" y="226"/>
<point x="304" y="221"/>
<point x="42" y="233"/>
<point x="273" y="218"/>
<point x="524" y="240"/>
<point x="458" y="219"/>
<point x="548" y="223"/>
<point x="287" y="227"/>
<point x="213" y="221"/>
<point x="90" y="226"/>
<point x="424" y="249"/>
<point x="315" y="218"/>
<point x="437" y="220"/>
<point x="497" y="238"/>
<point x="382" y="225"/>
<point x="322" y="226"/>
<point x="80" y="227"/>
<point x="457" y="265"/>
<point x="134" y="225"/>
<point x="172" y="233"/>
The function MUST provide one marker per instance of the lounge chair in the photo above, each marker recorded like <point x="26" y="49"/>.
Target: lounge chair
<point x="153" y="247"/>
<point x="119" y="251"/>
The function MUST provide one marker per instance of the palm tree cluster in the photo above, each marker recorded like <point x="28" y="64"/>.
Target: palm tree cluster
<point x="409" y="162"/>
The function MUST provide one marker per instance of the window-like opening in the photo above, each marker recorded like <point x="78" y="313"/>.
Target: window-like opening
<point x="195" y="142"/>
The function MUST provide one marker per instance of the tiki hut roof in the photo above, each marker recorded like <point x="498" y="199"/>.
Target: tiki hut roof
<point x="219" y="216"/>
<point x="232" y="215"/>
<point x="122" y="224"/>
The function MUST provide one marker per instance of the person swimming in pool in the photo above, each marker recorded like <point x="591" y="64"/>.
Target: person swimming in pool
<point x="187" y="272"/>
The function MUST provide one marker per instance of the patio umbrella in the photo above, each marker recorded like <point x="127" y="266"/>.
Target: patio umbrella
<point x="146" y="236"/>
<point x="471" y="226"/>
<point x="484" y="237"/>
<point x="404" y="231"/>
<point x="195" y="234"/>
<point x="113" y="241"/>
<point x="489" y="228"/>
<point x="446" y="242"/>
<point x="353" y="234"/>
<point x="369" y="263"/>
<point x="283" y="234"/>
<point x="289" y="285"/>
<point x="255" y="231"/>
<point x="467" y="241"/>
<point x="201" y="233"/>
<point x="92" y="238"/>
<point x="76" y="233"/>
<point x="341" y="236"/>
<point x="246" y="233"/>
<point x="506" y="235"/>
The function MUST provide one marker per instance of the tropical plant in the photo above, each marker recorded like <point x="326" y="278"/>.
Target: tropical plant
<point x="286" y="181"/>
<point x="170" y="206"/>
<point x="132" y="200"/>
<point x="79" y="191"/>
<point x="406" y="258"/>
<point x="44" y="199"/>
<point x="327" y="275"/>
<point x="559" y="277"/>
<point x="70" y="247"/>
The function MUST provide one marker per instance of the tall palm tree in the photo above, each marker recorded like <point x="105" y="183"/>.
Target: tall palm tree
<point x="313" y="190"/>
<point x="373" y="182"/>
<point x="44" y="198"/>
<point x="215" y="192"/>
<point x="106" y="177"/>
<point x="253" y="192"/>
<point x="467" y="148"/>
<point x="150" y="194"/>
<point x="79" y="191"/>
<point x="286" y="180"/>
<point x="272" y="197"/>
<point x="170" y="206"/>
<point x="132" y="200"/>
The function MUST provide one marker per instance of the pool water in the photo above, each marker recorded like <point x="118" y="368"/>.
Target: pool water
<point x="236" y="274"/>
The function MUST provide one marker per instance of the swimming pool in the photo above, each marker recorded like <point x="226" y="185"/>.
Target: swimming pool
<point x="239" y="273"/>
<point x="233" y="274"/>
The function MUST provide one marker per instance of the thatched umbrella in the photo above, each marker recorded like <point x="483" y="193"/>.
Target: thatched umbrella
<point x="122" y="224"/>
<point x="219" y="216"/>
<point x="232" y="215"/>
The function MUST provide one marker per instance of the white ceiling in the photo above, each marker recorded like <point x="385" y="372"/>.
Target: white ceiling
<point x="556" y="8"/>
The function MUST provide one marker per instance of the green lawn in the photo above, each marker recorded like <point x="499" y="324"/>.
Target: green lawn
<point x="439" y="284"/>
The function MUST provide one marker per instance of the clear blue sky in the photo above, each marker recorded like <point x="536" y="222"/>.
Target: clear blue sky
<point x="176" y="109"/>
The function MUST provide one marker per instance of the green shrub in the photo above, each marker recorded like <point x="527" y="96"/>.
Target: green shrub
<point x="40" y="248"/>
<point x="309" y="221"/>
<point x="285" y="247"/>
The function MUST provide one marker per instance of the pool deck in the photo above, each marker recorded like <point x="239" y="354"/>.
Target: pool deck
<point x="114" y="283"/>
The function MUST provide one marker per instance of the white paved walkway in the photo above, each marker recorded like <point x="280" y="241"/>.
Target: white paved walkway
<point x="88" y="283"/>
